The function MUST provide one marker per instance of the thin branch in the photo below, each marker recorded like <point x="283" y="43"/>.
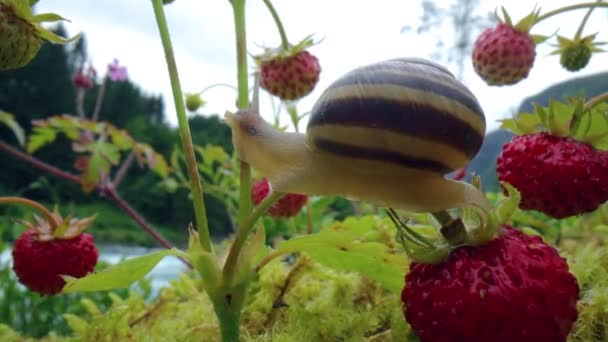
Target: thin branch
<point x="80" y="93"/>
<point x="38" y="163"/>
<point x="99" y="101"/>
<point x="124" y="167"/>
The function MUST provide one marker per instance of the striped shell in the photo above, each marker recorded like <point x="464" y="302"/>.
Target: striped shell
<point x="409" y="112"/>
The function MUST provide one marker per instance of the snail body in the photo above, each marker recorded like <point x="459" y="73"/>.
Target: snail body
<point x="384" y="133"/>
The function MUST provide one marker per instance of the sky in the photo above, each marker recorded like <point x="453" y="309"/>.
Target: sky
<point x="353" y="33"/>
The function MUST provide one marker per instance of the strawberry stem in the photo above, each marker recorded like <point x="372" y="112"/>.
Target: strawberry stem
<point x="452" y="229"/>
<point x="579" y="31"/>
<point x="277" y="20"/>
<point x="570" y="8"/>
<point x="217" y="85"/>
<point x="594" y="101"/>
<point x="32" y="204"/>
<point x="178" y="98"/>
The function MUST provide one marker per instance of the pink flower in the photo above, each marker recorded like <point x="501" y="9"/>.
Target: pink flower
<point x="116" y="72"/>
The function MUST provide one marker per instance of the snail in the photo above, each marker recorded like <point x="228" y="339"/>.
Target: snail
<point x="385" y="133"/>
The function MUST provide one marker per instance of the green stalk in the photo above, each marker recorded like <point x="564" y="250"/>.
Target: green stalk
<point x="242" y="232"/>
<point x="229" y="317"/>
<point x="569" y="8"/>
<point x="596" y="101"/>
<point x="184" y="130"/>
<point x="277" y="20"/>
<point x="581" y="27"/>
<point x="238" y="7"/>
<point x="34" y="205"/>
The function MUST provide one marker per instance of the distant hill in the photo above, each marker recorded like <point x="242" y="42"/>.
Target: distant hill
<point x="484" y="163"/>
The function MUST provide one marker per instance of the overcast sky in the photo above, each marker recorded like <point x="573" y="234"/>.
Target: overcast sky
<point x="355" y="33"/>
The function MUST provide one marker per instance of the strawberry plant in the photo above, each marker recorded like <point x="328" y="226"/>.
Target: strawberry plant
<point x="443" y="262"/>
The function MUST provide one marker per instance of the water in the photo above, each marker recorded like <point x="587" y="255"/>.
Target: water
<point x="166" y="270"/>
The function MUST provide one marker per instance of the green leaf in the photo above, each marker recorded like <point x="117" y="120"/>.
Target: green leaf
<point x="9" y="120"/>
<point x="53" y="38"/>
<point x="539" y="39"/>
<point x="251" y="255"/>
<point x="559" y="117"/>
<point x="204" y="262"/>
<point x="508" y="207"/>
<point x="40" y="136"/>
<point x="118" y="276"/>
<point x="48" y="17"/>
<point x="103" y="156"/>
<point x="510" y="125"/>
<point x="527" y="122"/>
<point x="120" y="138"/>
<point x="341" y="248"/>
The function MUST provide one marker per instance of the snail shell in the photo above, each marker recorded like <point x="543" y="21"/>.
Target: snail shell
<point x="384" y="133"/>
<point x="408" y="112"/>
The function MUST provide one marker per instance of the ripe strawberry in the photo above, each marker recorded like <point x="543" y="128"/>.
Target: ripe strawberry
<point x="82" y="80"/>
<point x="41" y="256"/>
<point x="290" y="77"/>
<point x="289" y="73"/>
<point x="503" y="55"/>
<point x="514" y="288"/>
<point x="287" y="206"/>
<point x="559" y="176"/>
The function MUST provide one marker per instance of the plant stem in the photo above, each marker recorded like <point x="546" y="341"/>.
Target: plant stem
<point x="100" y="95"/>
<point x="238" y="7"/>
<point x="243" y="231"/>
<point x="579" y="31"/>
<point x="229" y="318"/>
<point x="277" y="20"/>
<point x="184" y="130"/>
<point x="570" y="8"/>
<point x="38" y="163"/>
<point x="124" y="167"/>
<point x="452" y="229"/>
<point x="217" y="85"/>
<point x="594" y="101"/>
<point x="32" y="204"/>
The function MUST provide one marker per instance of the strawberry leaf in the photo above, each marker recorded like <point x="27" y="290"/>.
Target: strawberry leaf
<point x="341" y="247"/>
<point x="539" y="39"/>
<point x="103" y="156"/>
<point x="119" y="276"/>
<point x="8" y="119"/>
<point x="120" y="138"/>
<point x="510" y="125"/>
<point x="40" y="136"/>
<point x="527" y="122"/>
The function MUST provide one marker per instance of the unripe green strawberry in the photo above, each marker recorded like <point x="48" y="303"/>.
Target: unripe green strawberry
<point x="21" y="34"/>
<point x="575" y="57"/>
<point x="19" y="40"/>
<point x="194" y="102"/>
<point x="574" y="54"/>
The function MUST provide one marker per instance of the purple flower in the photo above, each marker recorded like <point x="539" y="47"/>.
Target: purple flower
<point x="116" y="72"/>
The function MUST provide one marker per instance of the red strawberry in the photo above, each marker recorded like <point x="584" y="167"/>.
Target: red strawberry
<point x="287" y="206"/>
<point x="290" y="77"/>
<point x="82" y="80"/>
<point x="559" y="176"/>
<point x="40" y="256"/>
<point x="503" y="55"/>
<point x="514" y="288"/>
